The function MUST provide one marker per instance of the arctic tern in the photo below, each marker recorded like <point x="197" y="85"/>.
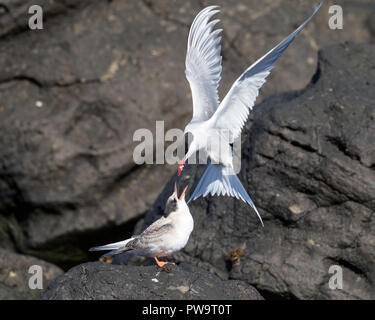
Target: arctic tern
<point x="215" y="125"/>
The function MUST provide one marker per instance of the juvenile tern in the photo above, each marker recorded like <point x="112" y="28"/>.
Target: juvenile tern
<point x="165" y="236"/>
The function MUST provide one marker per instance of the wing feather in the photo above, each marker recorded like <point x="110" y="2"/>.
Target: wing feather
<point x="234" y="110"/>
<point x="151" y="235"/>
<point x="203" y="63"/>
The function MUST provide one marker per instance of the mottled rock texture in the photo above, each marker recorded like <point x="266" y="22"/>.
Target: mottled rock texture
<point x="15" y="276"/>
<point x="97" y="280"/>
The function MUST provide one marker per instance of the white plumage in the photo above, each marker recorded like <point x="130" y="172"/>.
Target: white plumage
<point x="215" y="125"/>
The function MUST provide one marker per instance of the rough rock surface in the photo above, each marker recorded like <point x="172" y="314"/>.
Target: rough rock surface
<point x="97" y="280"/>
<point x="308" y="162"/>
<point x="72" y="95"/>
<point x="14" y="276"/>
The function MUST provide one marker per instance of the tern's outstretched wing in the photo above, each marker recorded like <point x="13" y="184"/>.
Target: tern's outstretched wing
<point x="233" y="111"/>
<point x="203" y="63"/>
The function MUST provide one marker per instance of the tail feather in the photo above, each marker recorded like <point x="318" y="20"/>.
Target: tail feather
<point x="116" y="247"/>
<point x="114" y="252"/>
<point x="219" y="180"/>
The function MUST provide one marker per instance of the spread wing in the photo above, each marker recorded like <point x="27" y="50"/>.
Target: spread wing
<point x="233" y="111"/>
<point x="203" y="63"/>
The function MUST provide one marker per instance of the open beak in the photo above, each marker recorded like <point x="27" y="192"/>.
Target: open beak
<point x="182" y="196"/>
<point x="175" y="193"/>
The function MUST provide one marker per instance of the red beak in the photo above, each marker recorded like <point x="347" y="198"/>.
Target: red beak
<point x="183" y="193"/>
<point x="180" y="167"/>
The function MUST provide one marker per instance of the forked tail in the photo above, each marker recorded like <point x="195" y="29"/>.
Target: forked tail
<point x="220" y="180"/>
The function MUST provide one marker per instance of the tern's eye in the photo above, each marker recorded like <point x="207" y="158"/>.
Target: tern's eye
<point x="170" y="207"/>
<point x="172" y="202"/>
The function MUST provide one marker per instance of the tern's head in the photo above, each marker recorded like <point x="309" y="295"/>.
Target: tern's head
<point x="175" y="203"/>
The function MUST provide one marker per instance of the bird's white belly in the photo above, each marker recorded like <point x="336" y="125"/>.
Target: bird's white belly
<point x="213" y="143"/>
<point x="219" y="150"/>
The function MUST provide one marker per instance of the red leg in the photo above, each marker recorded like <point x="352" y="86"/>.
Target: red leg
<point x="162" y="263"/>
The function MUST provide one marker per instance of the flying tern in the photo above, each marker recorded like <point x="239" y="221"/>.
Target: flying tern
<point x="215" y="125"/>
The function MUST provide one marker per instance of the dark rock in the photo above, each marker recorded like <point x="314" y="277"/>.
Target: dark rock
<point x="14" y="276"/>
<point x="66" y="167"/>
<point x="14" y="13"/>
<point x="308" y="162"/>
<point x="72" y="95"/>
<point x="97" y="280"/>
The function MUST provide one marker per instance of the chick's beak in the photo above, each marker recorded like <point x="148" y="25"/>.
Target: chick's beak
<point x="175" y="193"/>
<point x="182" y="196"/>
